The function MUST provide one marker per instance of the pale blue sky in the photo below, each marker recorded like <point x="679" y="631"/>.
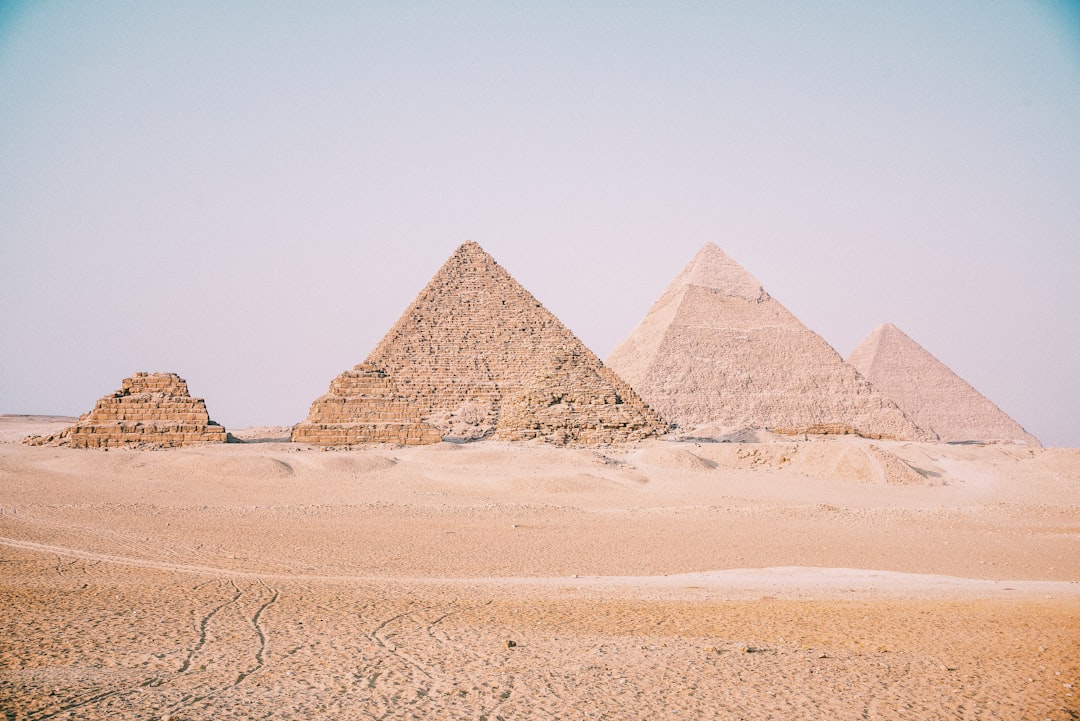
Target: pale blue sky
<point x="250" y="193"/>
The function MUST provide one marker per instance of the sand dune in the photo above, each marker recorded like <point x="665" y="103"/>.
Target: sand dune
<point x="814" y="579"/>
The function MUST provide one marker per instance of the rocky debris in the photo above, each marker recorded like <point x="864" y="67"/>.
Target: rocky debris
<point x="676" y="458"/>
<point x="474" y="356"/>
<point x="839" y="460"/>
<point x="929" y="392"/>
<point x="150" y="409"/>
<point x="573" y="399"/>
<point x="895" y="470"/>
<point x="716" y="349"/>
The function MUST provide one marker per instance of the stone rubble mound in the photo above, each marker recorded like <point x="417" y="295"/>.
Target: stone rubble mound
<point x="150" y="409"/>
<point x="474" y="356"/>
<point x="929" y="392"/>
<point x="716" y="349"/>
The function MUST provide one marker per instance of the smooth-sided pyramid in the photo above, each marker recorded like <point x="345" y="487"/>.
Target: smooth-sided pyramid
<point x="476" y="355"/>
<point x="150" y="409"/>
<point x="716" y="349"/>
<point x="929" y="392"/>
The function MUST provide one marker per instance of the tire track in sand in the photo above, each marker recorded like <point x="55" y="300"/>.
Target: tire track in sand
<point x="201" y="628"/>
<point x="225" y="670"/>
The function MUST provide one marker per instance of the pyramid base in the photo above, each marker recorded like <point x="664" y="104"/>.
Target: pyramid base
<point x="127" y="434"/>
<point x="833" y="429"/>
<point x="349" y="434"/>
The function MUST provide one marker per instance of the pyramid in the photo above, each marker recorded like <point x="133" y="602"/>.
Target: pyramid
<point x="475" y="356"/>
<point x="929" y="392"/>
<point x="150" y="409"/>
<point x="715" y="348"/>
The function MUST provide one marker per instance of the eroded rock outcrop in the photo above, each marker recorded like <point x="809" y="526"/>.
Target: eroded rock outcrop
<point x="150" y="409"/>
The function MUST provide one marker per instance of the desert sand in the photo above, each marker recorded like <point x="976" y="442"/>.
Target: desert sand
<point x="834" y="578"/>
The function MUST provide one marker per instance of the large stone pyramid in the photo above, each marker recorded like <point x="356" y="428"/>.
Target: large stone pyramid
<point x="476" y="355"/>
<point x="716" y="349"/>
<point x="929" y="392"/>
<point x="150" y="409"/>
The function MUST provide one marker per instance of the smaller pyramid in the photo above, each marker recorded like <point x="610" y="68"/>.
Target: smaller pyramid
<point x="929" y="392"/>
<point x="150" y="409"/>
<point x="364" y="406"/>
<point x="716" y="349"/>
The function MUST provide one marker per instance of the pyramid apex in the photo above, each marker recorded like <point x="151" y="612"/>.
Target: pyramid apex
<point x="469" y="254"/>
<point x="712" y="268"/>
<point x="881" y="330"/>
<point x="894" y="334"/>
<point x="470" y="246"/>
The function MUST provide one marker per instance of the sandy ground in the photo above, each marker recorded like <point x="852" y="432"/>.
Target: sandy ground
<point x="840" y="579"/>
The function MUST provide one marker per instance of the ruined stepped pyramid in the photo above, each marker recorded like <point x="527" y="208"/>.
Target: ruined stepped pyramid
<point x="150" y="409"/>
<point x="363" y="406"/>
<point x="715" y="349"/>
<point x="929" y="392"/>
<point x="474" y="356"/>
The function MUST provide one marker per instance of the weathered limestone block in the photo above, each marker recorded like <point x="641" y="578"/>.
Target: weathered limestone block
<point x="150" y="409"/>
<point x="467" y="357"/>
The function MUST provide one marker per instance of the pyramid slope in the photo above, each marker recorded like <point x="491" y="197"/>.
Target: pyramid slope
<point x="717" y="349"/>
<point x="152" y="409"/>
<point x="929" y="392"/>
<point x="467" y="355"/>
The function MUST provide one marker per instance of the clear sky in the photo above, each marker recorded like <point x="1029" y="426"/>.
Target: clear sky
<point x="250" y="193"/>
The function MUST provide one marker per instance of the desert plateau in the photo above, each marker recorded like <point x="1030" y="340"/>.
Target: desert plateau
<point x="770" y="578"/>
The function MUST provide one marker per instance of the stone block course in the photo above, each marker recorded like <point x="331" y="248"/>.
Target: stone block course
<point x="363" y="405"/>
